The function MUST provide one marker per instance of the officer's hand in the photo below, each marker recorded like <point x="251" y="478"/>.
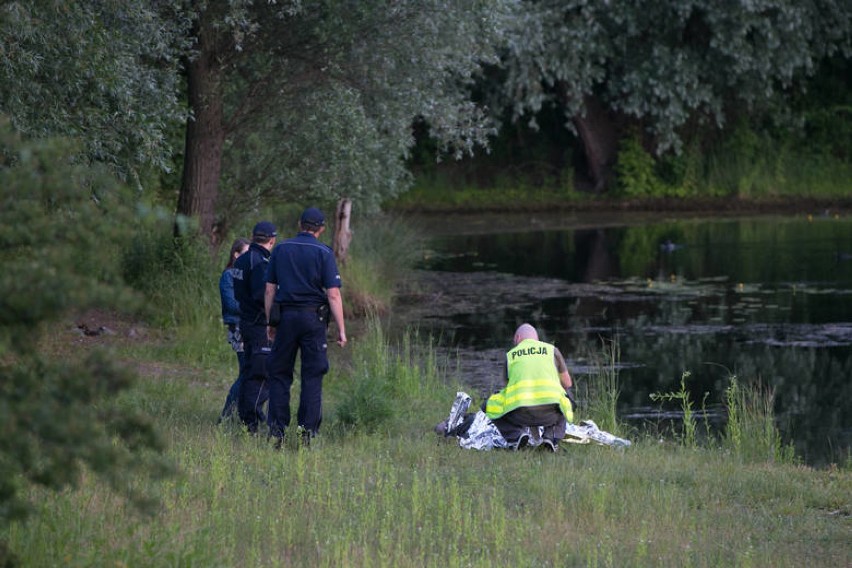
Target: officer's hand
<point x="270" y="333"/>
<point x="341" y="339"/>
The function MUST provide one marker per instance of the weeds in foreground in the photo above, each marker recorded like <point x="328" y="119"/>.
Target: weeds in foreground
<point x="391" y="383"/>
<point x="397" y="495"/>
<point x="751" y="432"/>
<point x="602" y="388"/>
<point x="682" y="395"/>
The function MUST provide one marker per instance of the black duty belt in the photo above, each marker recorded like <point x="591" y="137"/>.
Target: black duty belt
<point x="300" y="308"/>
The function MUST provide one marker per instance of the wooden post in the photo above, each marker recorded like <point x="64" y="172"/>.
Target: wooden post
<point x="342" y="233"/>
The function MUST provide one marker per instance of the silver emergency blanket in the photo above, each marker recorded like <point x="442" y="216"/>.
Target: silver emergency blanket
<point x="587" y="431"/>
<point x="484" y="435"/>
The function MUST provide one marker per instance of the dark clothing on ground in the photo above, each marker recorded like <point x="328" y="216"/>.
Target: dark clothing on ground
<point x="518" y="421"/>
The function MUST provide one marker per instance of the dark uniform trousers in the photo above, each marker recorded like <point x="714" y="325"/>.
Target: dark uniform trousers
<point x="548" y="416"/>
<point x="255" y="387"/>
<point x="301" y="330"/>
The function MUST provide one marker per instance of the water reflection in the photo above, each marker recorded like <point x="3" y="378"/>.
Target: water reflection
<point x="765" y="299"/>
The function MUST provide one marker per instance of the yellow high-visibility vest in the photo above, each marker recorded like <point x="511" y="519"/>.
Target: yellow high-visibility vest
<point x="533" y="381"/>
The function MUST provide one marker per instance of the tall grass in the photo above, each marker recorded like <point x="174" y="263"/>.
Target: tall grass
<point x="394" y="494"/>
<point x="601" y="389"/>
<point x="394" y="385"/>
<point x="751" y="432"/>
<point x="383" y="249"/>
<point x="378" y="488"/>
<point x="179" y="278"/>
<point x="682" y="396"/>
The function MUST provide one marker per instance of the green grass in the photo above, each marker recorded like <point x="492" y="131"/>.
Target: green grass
<point x="393" y="494"/>
<point x="378" y="488"/>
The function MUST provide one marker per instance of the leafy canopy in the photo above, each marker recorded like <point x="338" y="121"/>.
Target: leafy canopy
<point x="667" y="62"/>
<point x="321" y="96"/>
<point x="105" y="72"/>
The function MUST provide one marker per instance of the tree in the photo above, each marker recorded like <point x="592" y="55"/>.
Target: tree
<point x="665" y="65"/>
<point x="103" y="72"/>
<point x="316" y="101"/>
<point x="60" y="229"/>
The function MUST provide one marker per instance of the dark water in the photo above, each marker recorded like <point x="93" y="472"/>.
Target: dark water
<point x="766" y="299"/>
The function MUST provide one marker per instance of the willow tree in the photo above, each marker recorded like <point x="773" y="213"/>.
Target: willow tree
<point x="103" y="72"/>
<point x="298" y="101"/>
<point x="662" y="65"/>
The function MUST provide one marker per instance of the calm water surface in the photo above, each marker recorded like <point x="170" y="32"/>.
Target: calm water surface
<point x="766" y="298"/>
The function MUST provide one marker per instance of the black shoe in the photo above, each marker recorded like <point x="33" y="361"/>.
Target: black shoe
<point x="548" y="445"/>
<point x="441" y="428"/>
<point x="305" y="437"/>
<point x="523" y="442"/>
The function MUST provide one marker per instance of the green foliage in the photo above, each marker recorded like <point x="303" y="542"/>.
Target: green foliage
<point x="104" y="72"/>
<point x="635" y="170"/>
<point x="667" y="63"/>
<point x="177" y="275"/>
<point x="390" y="385"/>
<point x="384" y="249"/>
<point x="319" y="98"/>
<point x="444" y="190"/>
<point x="602" y="389"/>
<point x="61" y="226"/>
<point x="751" y="433"/>
<point x="686" y="405"/>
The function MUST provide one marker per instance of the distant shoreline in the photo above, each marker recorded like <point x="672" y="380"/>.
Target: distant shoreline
<point x="827" y="206"/>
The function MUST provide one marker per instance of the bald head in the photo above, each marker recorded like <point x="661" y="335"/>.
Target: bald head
<point x="525" y="331"/>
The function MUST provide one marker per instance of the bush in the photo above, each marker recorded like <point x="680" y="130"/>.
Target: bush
<point x="635" y="170"/>
<point x="60" y="226"/>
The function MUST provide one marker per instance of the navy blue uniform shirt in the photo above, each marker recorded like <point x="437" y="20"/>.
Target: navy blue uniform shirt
<point x="303" y="268"/>
<point x="250" y="283"/>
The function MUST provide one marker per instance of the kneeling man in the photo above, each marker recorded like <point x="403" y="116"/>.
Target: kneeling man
<point x="534" y="395"/>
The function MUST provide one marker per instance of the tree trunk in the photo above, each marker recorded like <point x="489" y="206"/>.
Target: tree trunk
<point x="599" y="134"/>
<point x="205" y="136"/>
<point x="342" y="234"/>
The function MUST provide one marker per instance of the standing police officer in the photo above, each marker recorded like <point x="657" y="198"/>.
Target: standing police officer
<point x="303" y="283"/>
<point x="249" y="287"/>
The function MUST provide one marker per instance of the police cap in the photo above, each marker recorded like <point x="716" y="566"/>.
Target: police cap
<point x="264" y="229"/>
<point x="313" y="217"/>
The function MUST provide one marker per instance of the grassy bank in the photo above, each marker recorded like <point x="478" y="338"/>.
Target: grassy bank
<point x="749" y="171"/>
<point x="379" y="488"/>
<point x="390" y="493"/>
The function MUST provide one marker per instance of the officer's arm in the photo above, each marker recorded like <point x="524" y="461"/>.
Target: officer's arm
<point x="269" y="298"/>
<point x="335" y="302"/>
<point x="562" y="368"/>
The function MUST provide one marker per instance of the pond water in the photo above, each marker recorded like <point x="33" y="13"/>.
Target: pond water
<point x="766" y="299"/>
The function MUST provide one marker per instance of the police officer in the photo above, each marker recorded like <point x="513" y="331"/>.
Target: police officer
<point x="536" y="393"/>
<point x="249" y="286"/>
<point x="303" y="284"/>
